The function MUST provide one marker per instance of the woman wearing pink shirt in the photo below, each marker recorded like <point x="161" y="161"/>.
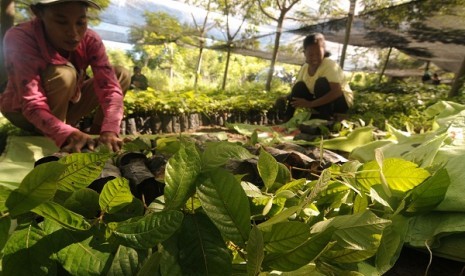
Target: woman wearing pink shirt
<point x="48" y="91"/>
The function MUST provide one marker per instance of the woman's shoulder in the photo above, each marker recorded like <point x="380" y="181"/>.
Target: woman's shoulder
<point x="92" y="43"/>
<point x="23" y="30"/>
<point x="329" y="62"/>
<point x="331" y="65"/>
<point x="92" y="36"/>
<point x="25" y="39"/>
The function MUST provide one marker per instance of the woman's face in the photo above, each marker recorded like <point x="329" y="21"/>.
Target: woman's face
<point x="65" y="25"/>
<point x="314" y="54"/>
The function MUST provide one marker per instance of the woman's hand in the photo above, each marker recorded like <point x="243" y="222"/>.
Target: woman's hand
<point x="301" y="102"/>
<point x="111" y="140"/>
<point x="77" y="141"/>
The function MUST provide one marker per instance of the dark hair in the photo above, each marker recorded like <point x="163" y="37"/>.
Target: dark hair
<point x="314" y="38"/>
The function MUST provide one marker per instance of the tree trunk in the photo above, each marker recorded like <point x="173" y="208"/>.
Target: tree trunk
<point x="458" y="81"/>
<point x="385" y="65"/>
<point x="350" y="19"/>
<point x="7" y="15"/>
<point x="226" y="68"/>
<point x="275" y="54"/>
<point x="199" y="65"/>
<point x="171" y="71"/>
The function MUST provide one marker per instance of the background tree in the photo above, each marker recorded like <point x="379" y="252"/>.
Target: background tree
<point x="235" y="10"/>
<point x="350" y="18"/>
<point x="276" y="10"/>
<point x="156" y="42"/>
<point x="202" y="27"/>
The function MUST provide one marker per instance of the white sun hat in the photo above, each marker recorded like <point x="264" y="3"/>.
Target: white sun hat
<point x="51" y="2"/>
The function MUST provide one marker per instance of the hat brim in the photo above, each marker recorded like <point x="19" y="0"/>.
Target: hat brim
<point x="91" y="4"/>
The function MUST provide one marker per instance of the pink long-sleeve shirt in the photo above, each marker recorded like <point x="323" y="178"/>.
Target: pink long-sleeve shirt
<point x="27" y="53"/>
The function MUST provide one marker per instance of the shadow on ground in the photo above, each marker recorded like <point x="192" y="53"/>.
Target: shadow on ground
<point x="413" y="262"/>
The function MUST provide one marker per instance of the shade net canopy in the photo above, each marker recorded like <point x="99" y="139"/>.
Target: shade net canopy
<point x="429" y="30"/>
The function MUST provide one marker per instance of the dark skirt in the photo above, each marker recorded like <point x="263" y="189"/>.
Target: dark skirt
<point x="322" y="87"/>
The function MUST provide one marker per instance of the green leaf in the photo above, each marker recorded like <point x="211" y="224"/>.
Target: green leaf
<point x="79" y="253"/>
<point x="429" y="194"/>
<point x="285" y="194"/>
<point x="380" y="159"/>
<point x="150" y="265"/>
<point x="406" y="144"/>
<point x="251" y="190"/>
<point x="141" y="143"/>
<point x="37" y="187"/>
<point x="169" y="145"/>
<point x="301" y="255"/>
<point x="202" y="250"/>
<point x="391" y="244"/>
<point x="294" y="186"/>
<point x="84" y="202"/>
<point x="360" y="203"/>
<point x="169" y="259"/>
<point x="435" y="226"/>
<point x="453" y="158"/>
<point x="378" y="197"/>
<point x="444" y="109"/>
<point x="217" y="154"/>
<point x="333" y="193"/>
<point x="425" y="153"/>
<point x="248" y="129"/>
<point x="181" y="171"/>
<point x="365" y="153"/>
<point x="115" y="195"/>
<point x="358" y="137"/>
<point x="27" y="253"/>
<point x="226" y="203"/>
<point x="82" y="169"/>
<point x="134" y="209"/>
<point x="4" y="194"/>
<point x="283" y="176"/>
<point x="5" y="224"/>
<point x="284" y="236"/>
<point x="255" y="253"/>
<point x="400" y="175"/>
<point x="306" y="270"/>
<point x="283" y="216"/>
<point x="127" y="261"/>
<point x="267" y="168"/>
<point x="150" y="230"/>
<point x="61" y="215"/>
<point x="254" y="138"/>
<point x="357" y="236"/>
<point x="268" y="206"/>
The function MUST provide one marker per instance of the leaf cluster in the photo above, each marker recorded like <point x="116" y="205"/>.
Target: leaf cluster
<point x="212" y="217"/>
<point x="207" y="101"/>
